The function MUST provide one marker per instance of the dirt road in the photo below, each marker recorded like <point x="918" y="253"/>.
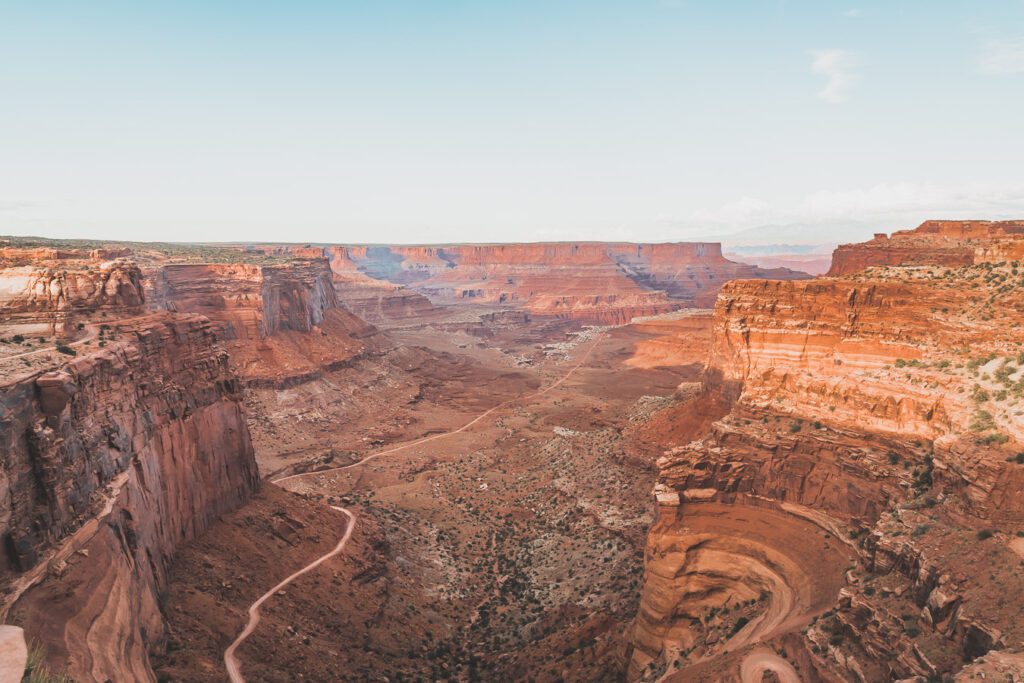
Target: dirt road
<point x="230" y="660"/>
<point x="761" y="660"/>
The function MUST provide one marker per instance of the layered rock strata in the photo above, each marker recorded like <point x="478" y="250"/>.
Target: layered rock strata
<point x="602" y="282"/>
<point x="879" y="411"/>
<point x="283" y="320"/>
<point x="945" y="243"/>
<point x="110" y="462"/>
<point x="43" y="291"/>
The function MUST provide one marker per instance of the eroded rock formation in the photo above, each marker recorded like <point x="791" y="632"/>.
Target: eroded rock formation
<point x="601" y="282"/>
<point x="110" y="462"/>
<point x="44" y="290"/>
<point x="283" y="320"/>
<point x="878" y="411"/>
<point x="376" y="301"/>
<point x="939" y="243"/>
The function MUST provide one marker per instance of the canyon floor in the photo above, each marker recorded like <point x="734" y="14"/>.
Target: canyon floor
<point x="282" y="462"/>
<point x="510" y="550"/>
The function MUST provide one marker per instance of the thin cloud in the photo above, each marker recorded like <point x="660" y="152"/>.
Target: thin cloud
<point x="895" y="205"/>
<point x="853" y="13"/>
<point x="1002" y="57"/>
<point x="16" y="205"/>
<point x="837" y="66"/>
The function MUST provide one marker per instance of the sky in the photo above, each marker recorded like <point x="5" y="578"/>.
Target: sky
<point x="460" y="121"/>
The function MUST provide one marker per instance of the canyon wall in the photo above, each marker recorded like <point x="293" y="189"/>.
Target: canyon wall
<point x="376" y="301"/>
<point x="602" y="282"/>
<point x="253" y="301"/>
<point x="42" y="291"/>
<point x="878" y="413"/>
<point x="939" y="243"/>
<point x="283" y="320"/>
<point x="110" y="462"/>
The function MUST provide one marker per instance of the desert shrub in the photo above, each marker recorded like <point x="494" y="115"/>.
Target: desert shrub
<point x="740" y="623"/>
<point x="66" y="350"/>
<point x="982" y="421"/>
<point x="985" y="534"/>
<point x="36" y="670"/>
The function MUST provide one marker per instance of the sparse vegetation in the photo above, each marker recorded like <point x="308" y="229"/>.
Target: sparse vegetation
<point x="36" y="670"/>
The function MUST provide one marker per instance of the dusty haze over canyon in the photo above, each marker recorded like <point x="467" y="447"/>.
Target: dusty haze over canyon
<point x="541" y="462"/>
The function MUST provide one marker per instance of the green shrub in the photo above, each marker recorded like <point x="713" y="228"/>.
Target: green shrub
<point x="982" y="421"/>
<point x="66" y="350"/>
<point x="985" y="534"/>
<point x="36" y="670"/>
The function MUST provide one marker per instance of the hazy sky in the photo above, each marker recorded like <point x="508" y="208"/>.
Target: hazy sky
<point x="438" y="120"/>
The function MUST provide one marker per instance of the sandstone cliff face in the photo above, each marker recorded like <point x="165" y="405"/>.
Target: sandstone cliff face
<point x="110" y="463"/>
<point x="253" y="301"/>
<point x="45" y="295"/>
<point x="880" y="410"/>
<point x="283" y="321"/>
<point x="940" y="243"/>
<point x="379" y="302"/>
<point x="601" y="282"/>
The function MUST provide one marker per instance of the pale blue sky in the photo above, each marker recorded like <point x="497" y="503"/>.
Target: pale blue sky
<point x="506" y="121"/>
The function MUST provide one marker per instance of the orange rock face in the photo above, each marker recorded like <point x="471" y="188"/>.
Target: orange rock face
<point x="602" y="282"/>
<point x="42" y="290"/>
<point x="282" y="320"/>
<point x="881" y="406"/>
<point x="945" y="243"/>
<point x="376" y="301"/>
<point x="149" y="436"/>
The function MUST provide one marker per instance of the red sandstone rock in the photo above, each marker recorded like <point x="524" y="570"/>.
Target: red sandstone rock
<point x="44" y="298"/>
<point x="940" y="243"/>
<point x="149" y="435"/>
<point x="856" y="400"/>
<point x="601" y="282"/>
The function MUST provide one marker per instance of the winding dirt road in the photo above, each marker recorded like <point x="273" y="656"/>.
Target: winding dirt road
<point x="230" y="659"/>
<point x="761" y="660"/>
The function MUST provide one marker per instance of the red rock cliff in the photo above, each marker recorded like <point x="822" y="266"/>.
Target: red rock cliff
<point x="940" y="243"/>
<point x="283" y="320"/>
<point x="109" y="464"/>
<point x="45" y="292"/>
<point x="606" y="282"/>
<point x="879" y="406"/>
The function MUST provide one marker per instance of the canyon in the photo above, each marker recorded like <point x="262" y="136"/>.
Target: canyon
<point x="547" y="462"/>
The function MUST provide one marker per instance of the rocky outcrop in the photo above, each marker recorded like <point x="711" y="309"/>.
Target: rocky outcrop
<point x="110" y="462"/>
<point x="283" y="321"/>
<point x="379" y="302"/>
<point x="38" y="295"/>
<point x="602" y="282"/>
<point x="939" y="243"/>
<point x="879" y="409"/>
<point x="253" y="301"/>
